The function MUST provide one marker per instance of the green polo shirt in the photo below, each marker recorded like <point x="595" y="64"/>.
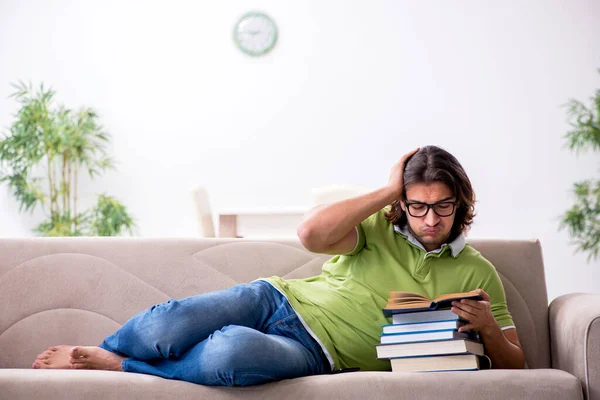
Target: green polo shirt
<point x="343" y="305"/>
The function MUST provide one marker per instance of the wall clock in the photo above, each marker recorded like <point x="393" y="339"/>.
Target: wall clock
<point x="255" y="33"/>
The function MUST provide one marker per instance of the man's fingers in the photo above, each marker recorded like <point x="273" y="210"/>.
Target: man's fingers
<point x="462" y="313"/>
<point x="473" y="303"/>
<point x="466" y="328"/>
<point x="466" y="307"/>
<point x="409" y="154"/>
<point x="484" y="295"/>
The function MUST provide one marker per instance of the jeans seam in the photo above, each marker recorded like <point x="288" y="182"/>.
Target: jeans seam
<point x="264" y="378"/>
<point x="124" y="364"/>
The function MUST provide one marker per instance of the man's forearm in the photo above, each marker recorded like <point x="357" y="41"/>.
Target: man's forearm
<point x="329" y="224"/>
<point x="501" y="351"/>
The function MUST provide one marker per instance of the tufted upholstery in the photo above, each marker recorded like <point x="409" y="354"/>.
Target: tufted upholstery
<point x="82" y="289"/>
<point x="79" y="290"/>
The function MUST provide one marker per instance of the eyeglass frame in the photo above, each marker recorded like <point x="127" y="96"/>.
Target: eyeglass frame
<point x="431" y="207"/>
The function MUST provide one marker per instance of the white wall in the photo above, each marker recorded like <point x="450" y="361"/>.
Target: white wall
<point x="349" y="88"/>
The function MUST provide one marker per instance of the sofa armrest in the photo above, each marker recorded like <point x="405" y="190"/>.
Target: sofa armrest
<point x="575" y="339"/>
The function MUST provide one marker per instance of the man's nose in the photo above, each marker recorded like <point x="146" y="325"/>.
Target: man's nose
<point x="431" y="218"/>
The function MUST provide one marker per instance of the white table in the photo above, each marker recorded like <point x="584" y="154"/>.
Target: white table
<point x="228" y="218"/>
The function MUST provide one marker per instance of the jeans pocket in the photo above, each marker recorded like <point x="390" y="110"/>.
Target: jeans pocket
<point x="289" y="326"/>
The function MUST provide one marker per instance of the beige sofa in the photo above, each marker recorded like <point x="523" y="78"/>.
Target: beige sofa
<point x="78" y="290"/>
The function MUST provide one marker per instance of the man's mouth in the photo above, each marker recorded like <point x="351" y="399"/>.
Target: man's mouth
<point x="431" y="231"/>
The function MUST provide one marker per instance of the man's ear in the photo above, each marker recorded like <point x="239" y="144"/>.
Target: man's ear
<point x="402" y="206"/>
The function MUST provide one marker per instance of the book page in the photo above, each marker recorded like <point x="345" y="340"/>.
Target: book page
<point x="450" y="296"/>
<point x="409" y="304"/>
<point x="401" y="295"/>
<point x="409" y="300"/>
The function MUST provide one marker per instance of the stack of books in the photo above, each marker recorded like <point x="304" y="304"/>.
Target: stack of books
<point x="424" y="337"/>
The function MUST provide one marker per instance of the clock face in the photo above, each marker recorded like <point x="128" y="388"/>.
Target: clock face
<point x="255" y="34"/>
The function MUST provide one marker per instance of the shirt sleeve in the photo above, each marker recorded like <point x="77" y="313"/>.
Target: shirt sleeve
<point x="363" y="230"/>
<point x="360" y="243"/>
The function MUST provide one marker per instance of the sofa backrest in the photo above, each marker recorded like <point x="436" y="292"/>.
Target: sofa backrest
<point x="79" y="290"/>
<point x="521" y="268"/>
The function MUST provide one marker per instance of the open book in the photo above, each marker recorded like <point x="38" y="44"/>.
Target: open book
<point x="406" y="302"/>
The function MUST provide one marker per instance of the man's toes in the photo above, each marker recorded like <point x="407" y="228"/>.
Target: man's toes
<point x="53" y="348"/>
<point x="77" y="365"/>
<point x="76" y="352"/>
<point x="77" y="360"/>
<point x="39" y="364"/>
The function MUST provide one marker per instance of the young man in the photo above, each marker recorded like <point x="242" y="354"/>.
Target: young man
<point x="274" y="328"/>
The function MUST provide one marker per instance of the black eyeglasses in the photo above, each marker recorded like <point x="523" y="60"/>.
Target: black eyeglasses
<point x="442" y="209"/>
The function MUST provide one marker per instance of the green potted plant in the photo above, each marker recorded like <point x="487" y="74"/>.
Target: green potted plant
<point x="42" y="157"/>
<point x="583" y="219"/>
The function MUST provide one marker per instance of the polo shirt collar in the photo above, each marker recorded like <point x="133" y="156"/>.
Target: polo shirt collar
<point x="456" y="246"/>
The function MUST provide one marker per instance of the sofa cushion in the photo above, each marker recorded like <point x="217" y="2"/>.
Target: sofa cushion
<point x="540" y="384"/>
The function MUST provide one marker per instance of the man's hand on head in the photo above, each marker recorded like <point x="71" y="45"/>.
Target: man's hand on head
<point x="396" y="181"/>
<point x="478" y="313"/>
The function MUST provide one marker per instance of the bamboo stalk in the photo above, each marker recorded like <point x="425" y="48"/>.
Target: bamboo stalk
<point x="55" y="197"/>
<point x="50" y="185"/>
<point x="76" y="173"/>
<point x="69" y="182"/>
<point x="63" y="183"/>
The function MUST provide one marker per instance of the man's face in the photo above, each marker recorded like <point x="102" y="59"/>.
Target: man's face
<point x="431" y="230"/>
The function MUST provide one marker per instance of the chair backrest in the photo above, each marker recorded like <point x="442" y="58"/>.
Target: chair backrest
<point x="333" y="193"/>
<point x="206" y="226"/>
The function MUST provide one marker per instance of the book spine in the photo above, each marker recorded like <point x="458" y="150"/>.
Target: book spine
<point x="425" y="337"/>
<point x="422" y="327"/>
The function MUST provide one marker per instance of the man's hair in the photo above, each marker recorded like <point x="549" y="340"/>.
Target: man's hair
<point x="433" y="164"/>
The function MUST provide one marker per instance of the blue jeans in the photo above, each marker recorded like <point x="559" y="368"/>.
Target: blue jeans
<point x="245" y="335"/>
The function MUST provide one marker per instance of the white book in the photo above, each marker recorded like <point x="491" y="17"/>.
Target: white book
<point x="462" y="362"/>
<point x="424" y="336"/>
<point x="432" y="348"/>
<point x="421" y="327"/>
<point x="424" y="316"/>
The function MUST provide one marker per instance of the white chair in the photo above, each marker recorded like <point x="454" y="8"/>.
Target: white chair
<point x="204" y="216"/>
<point x="333" y="193"/>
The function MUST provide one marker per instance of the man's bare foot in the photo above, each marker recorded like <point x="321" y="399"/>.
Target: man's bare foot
<point x="90" y="357"/>
<point x="56" y="357"/>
